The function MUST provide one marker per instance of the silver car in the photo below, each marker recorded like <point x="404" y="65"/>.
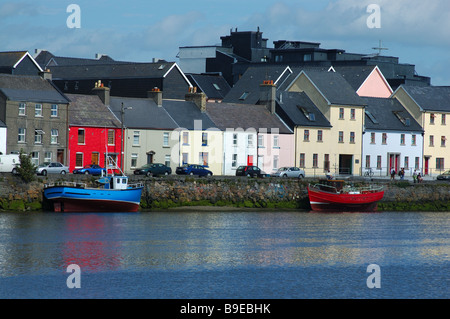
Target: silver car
<point x="52" y="168"/>
<point x="290" y="172"/>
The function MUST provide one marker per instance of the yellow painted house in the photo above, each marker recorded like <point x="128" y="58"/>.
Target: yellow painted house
<point x="430" y="107"/>
<point x="338" y="147"/>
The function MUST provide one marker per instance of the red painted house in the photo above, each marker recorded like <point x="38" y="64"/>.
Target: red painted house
<point x="94" y="131"/>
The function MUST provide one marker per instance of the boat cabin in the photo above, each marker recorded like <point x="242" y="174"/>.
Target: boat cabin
<point x="114" y="182"/>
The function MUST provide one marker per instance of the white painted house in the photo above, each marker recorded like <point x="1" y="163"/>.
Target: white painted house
<point x="2" y="138"/>
<point x="391" y="138"/>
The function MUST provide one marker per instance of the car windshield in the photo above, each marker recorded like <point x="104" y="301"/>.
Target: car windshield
<point x="147" y="165"/>
<point x="44" y="164"/>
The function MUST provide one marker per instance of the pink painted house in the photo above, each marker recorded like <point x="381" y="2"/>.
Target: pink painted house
<point x="367" y="80"/>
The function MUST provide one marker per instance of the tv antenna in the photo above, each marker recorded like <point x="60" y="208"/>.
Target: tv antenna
<point x="379" y="48"/>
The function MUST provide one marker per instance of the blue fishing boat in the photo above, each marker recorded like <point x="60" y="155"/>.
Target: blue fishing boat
<point x="114" y="194"/>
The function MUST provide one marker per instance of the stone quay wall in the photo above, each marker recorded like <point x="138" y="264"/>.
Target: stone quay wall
<point x="272" y="193"/>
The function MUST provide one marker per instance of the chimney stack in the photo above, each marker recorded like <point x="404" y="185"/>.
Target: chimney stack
<point x="102" y="92"/>
<point x="46" y="75"/>
<point x="156" y="95"/>
<point x="267" y="94"/>
<point x="198" y="98"/>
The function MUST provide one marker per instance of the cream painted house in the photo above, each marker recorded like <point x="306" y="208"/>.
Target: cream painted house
<point x="338" y="147"/>
<point x="430" y="107"/>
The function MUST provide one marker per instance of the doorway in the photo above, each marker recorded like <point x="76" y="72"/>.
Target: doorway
<point x="345" y="164"/>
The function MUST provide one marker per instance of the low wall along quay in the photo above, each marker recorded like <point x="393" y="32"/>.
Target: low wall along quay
<point x="241" y="192"/>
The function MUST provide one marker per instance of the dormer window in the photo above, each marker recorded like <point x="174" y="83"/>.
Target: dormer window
<point x="244" y="96"/>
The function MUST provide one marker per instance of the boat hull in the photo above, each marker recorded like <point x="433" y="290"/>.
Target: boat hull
<point x="74" y="199"/>
<point x="327" y="201"/>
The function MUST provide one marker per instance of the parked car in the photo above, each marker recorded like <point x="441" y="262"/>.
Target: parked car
<point x="9" y="163"/>
<point x="52" y="168"/>
<point x="192" y="169"/>
<point x="153" y="169"/>
<point x="444" y="176"/>
<point x="92" y="169"/>
<point x="289" y="172"/>
<point x="250" y="171"/>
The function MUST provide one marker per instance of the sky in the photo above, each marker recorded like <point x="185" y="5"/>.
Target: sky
<point x="415" y="31"/>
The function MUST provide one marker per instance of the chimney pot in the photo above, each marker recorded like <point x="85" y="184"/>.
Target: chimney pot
<point x="156" y="95"/>
<point x="198" y="98"/>
<point x="102" y="92"/>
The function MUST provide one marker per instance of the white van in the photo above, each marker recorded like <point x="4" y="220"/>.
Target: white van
<point x="8" y="163"/>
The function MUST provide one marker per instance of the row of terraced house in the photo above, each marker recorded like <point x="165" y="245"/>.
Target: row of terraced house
<point x="338" y="117"/>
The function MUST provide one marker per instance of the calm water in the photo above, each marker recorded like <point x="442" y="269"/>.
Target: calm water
<point x="251" y="255"/>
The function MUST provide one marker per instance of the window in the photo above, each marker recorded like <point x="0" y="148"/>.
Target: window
<point x="250" y="140"/>
<point x="341" y="113"/>
<point x="111" y="137"/>
<point x="185" y="138"/>
<point x="35" y="158"/>
<point x="352" y="114"/>
<point x="21" y="136"/>
<point x="367" y="161"/>
<point x="79" y="160"/>
<point x="185" y="158"/>
<point x="203" y="158"/>
<point x="22" y="108"/>
<point x="136" y="138"/>
<point x="54" y="136"/>
<point x="416" y="163"/>
<point x="413" y="140"/>
<point x="38" y="136"/>
<point x="235" y="139"/>
<point x="38" y="110"/>
<point x="341" y="137"/>
<point x="302" y="160"/>
<point x="319" y="135"/>
<point x="167" y="160"/>
<point x="54" y="110"/>
<point x="80" y="136"/>
<point x="379" y="162"/>
<point x="372" y="138"/>
<point x="406" y="163"/>
<point x="134" y="158"/>
<point x="234" y="160"/>
<point x="306" y="135"/>
<point x="431" y="140"/>
<point x="275" y="162"/>
<point x="165" y="139"/>
<point x="47" y="156"/>
<point x="204" y="139"/>
<point x="326" y="162"/>
<point x="244" y="96"/>
<point x="439" y="163"/>
<point x="443" y="141"/>
<point x="315" y="160"/>
<point x="402" y="139"/>
<point x="384" y="138"/>
<point x="276" y="141"/>
<point x="432" y="116"/>
<point x="260" y="141"/>
<point x="443" y="119"/>
<point x="352" y="137"/>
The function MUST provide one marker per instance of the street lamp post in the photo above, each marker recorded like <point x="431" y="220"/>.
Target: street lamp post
<point x="122" y="112"/>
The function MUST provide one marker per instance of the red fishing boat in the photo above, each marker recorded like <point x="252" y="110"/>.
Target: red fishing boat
<point x="337" y="195"/>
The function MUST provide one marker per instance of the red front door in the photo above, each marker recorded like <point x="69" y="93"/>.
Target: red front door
<point x="426" y="165"/>
<point x="250" y="160"/>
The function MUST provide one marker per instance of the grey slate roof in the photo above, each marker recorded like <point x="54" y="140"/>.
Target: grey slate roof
<point x="30" y="88"/>
<point x="2" y="124"/>
<point x="45" y="57"/>
<point x="145" y="114"/>
<point x="245" y="116"/>
<point x="430" y="98"/>
<point x="10" y="58"/>
<point x="251" y="80"/>
<point x="297" y="107"/>
<point x="116" y="70"/>
<point x="355" y="75"/>
<point x="206" y="84"/>
<point x="186" y="113"/>
<point x="88" y="110"/>
<point x="334" y="87"/>
<point x="384" y="111"/>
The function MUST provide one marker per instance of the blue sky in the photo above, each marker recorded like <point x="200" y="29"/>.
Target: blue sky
<point x="416" y="31"/>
